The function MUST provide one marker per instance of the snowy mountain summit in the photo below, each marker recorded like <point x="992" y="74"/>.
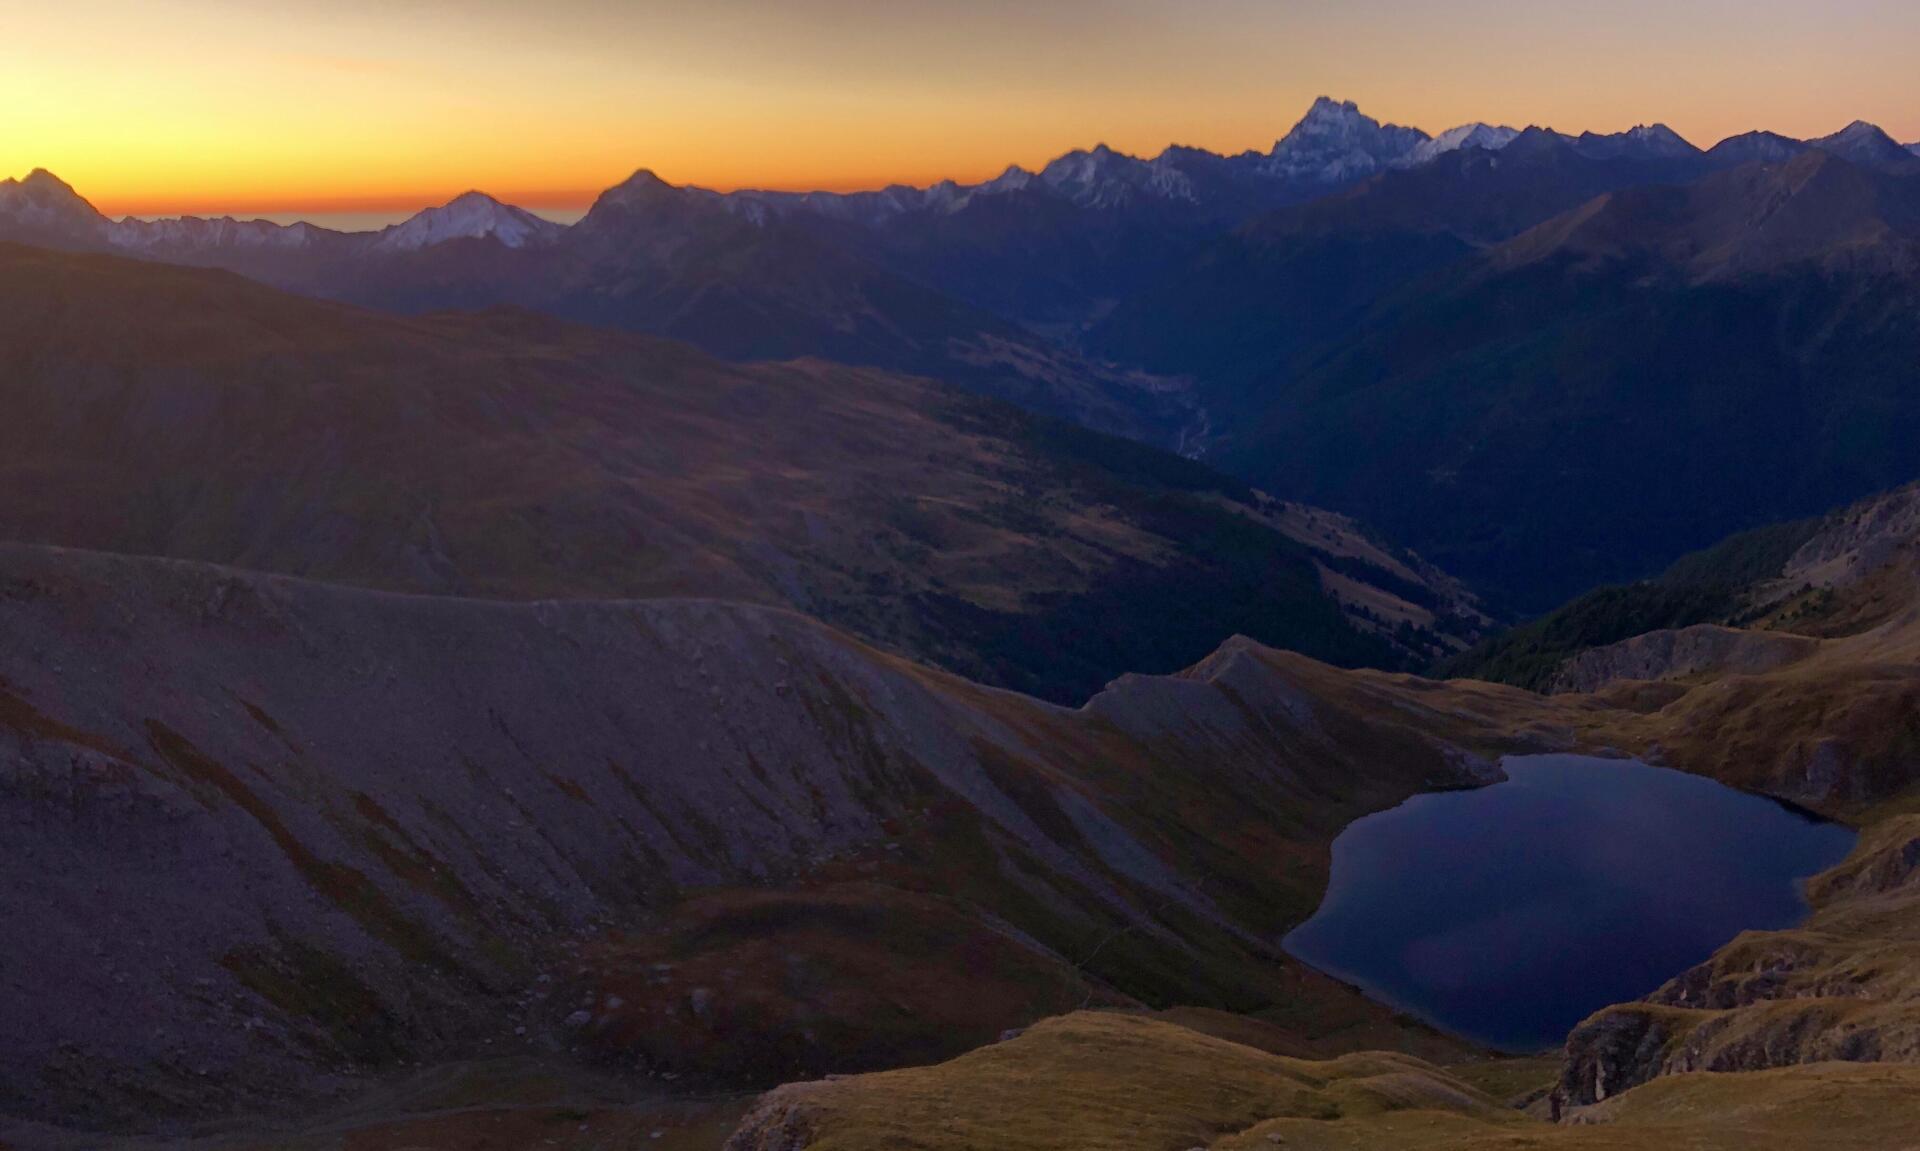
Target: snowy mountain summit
<point x="1642" y="141"/>
<point x="474" y="215"/>
<point x="44" y="201"/>
<point x="1104" y="178"/>
<point x="1337" y="142"/>
<point x="1485" y="136"/>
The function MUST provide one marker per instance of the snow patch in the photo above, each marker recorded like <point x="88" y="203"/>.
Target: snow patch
<point x="472" y="216"/>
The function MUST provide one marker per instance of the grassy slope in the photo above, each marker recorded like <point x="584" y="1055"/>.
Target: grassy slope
<point x="190" y="414"/>
<point x="1092" y="1082"/>
<point x="1101" y="1082"/>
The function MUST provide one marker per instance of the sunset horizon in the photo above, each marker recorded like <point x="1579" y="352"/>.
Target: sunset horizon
<point x="564" y="203"/>
<point x="207" y="107"/>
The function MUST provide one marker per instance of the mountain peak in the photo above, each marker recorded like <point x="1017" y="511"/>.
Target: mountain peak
<point x="1335" y="141"/>
<point x="1104" y="178"/>
<point x="643" y="189"/>
<point x="1860" y="130"/>
<point x="43" y="185"/>
<point x="1869" y="146"/>
<point x="1326" y="107"/>
<point x="41" y="178"/>
<point x="1490" y="137"/>
<point x="1646" y="141"/>
<point x="44" y="202"/>
<point x="643" y="180"/>
<point x="1757" y="147"/>
<point x="468" y="216"/>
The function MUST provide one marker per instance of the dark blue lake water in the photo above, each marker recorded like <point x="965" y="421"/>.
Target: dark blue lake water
<point x="1509" y="914"/>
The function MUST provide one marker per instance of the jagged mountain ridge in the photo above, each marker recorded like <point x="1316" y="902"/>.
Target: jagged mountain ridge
<point x="1305" y="277"/>
<point x="951" y="281"/>
<point x="1035" y="247"/>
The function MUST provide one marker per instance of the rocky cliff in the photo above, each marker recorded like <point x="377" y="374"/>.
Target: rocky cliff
<point x="1679" y="654"/>
<point x="1845" y="986"/>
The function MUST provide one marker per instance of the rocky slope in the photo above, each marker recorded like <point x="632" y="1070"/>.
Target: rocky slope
<point x="1845" y="986"/>
<point x="312" y="832"/>
<point x="1830" y="576"/>
<point x="1813" y="698"/>
<point x="1683" y="653"/>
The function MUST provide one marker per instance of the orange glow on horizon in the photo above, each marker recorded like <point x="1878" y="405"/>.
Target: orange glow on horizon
<point x="216" y="107"/>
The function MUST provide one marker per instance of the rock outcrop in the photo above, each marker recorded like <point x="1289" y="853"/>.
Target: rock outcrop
<point x="1706" y="650"/>
<point x="1845" y="987"/>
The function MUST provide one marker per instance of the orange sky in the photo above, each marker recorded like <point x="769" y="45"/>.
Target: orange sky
<point x="338" y="105"/>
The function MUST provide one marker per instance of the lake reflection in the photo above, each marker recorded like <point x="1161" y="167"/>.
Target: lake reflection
<point x="1509" y="914"/>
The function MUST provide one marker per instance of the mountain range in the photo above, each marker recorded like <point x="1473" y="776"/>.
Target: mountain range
<point x="1281" y="313"/>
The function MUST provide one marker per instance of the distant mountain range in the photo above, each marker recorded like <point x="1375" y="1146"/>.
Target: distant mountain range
<point x="1567" y="362"/>
<point x="970" y="284"/>
<point x="1358" y="318"/>
<point x="946" y="279"/>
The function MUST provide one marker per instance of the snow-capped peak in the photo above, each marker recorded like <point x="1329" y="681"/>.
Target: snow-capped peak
<point x="1660" y="137"/>
<point x="44" y="200"/>
<point x="1859" y="130"/>
<point x="474" y="215"/>
<point x="1642" y="142"/>
<point x="1104" y="178"/>
<point x="1335" y="141"/>
<point x="196" y="233"/>
<point x="1867" y="144"/>
<point x="1914" y="148"/>
<point x="1014" y="179"/>
<point x="1490" y="137"/>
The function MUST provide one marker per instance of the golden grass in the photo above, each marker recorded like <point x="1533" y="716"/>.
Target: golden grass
<point x="1098" y="1081"/>
<point x="1094" y="1081"/>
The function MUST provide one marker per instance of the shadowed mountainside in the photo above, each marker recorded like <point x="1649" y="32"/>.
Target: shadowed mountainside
<point x="1611" y="377"/>
<point x="317" y="832"/>
<point x="650" y="258"/>
<point x="1541" y="368"/>
<point x="1300" y="278"/>
<point x="166" y="411"/>
<point x="1835" y="591"/>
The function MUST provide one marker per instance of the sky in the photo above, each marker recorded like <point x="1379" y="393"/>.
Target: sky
<point x="371" y="106"/>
